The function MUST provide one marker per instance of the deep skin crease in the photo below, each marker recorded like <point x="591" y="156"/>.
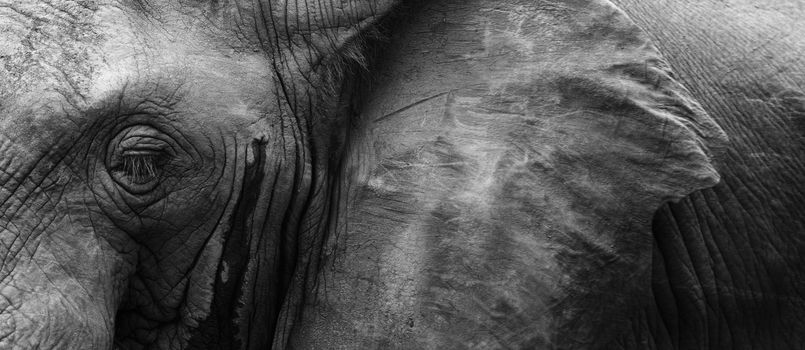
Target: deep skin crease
<point x="95" y="249"/>
<point x="224" y="174"/>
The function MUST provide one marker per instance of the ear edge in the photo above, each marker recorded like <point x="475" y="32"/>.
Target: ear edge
<point x="664" y="97"/>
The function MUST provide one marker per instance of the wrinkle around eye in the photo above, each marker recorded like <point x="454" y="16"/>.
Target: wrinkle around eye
<point x="136" y="157"/>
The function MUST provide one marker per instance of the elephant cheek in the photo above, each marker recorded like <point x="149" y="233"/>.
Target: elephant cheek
<point x="55" y="299"/>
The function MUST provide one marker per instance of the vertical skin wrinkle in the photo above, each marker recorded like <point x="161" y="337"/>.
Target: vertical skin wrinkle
<point x="220" y="330"/>
<point x="258" y="259"/>
<point x="728" y="261"/>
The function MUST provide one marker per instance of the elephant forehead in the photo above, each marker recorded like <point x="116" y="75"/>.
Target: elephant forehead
<point x="61" y="61"/>
<point x="41" y="42"/>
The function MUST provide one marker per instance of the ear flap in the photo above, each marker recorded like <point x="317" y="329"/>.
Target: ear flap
<point x="503" y="183"/>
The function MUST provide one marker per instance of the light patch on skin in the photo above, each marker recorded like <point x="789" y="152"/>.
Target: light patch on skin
<point x="382" y="183"/>
<point x="224" y="272"/>
<point x="479" y="189"/>
<point x="401" y="274"/>
<point x="202" y="280"/>
<point x="178" y="61"/>
<point x="497" y="41"/>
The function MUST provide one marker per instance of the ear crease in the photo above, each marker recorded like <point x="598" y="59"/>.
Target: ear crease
<point x="688" y="139"/>
<point x="665" y="93"/>
<point x="673" y="139"/>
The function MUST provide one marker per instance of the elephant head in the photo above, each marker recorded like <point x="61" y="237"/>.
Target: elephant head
<point x="319" y="174"/>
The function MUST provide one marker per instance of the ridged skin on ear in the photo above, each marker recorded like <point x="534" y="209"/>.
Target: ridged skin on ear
<point x="309" y="30"/>
<point x="509" y="162"/>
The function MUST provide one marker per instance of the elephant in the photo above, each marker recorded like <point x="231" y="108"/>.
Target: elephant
<point x="444" y="174"/>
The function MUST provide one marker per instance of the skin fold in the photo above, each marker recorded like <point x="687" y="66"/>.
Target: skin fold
<point x="727" y="259"/>
<point x="254" y="174"/>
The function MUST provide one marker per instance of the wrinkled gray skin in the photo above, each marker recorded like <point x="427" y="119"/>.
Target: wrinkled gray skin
<point x="728" y="261"/>
<point x="443" y="174"/>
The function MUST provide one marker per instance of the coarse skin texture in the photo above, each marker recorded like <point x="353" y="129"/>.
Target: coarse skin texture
<point x="509" y="162"/>
<point x="252" y="174"/>
<point x="160" y="162"/>
<point x="728" y="261"/>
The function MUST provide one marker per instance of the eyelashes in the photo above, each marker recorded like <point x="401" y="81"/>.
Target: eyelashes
<point x="141" y="167"/>
<point x="139" y="171"/>
<point x="140" y="158"/>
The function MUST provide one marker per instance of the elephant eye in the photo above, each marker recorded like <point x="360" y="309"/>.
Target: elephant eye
<point x="141" y="167"/>
<point x="138" y="170"/>
<point x="137" y="158"/>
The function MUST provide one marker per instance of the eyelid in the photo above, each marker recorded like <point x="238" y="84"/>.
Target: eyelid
<point x="143" y="145"/>
<point x="143" y="151"/>
<point x="140" y="139"/>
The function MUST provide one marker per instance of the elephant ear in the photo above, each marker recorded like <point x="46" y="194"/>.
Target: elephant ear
<point x="503" y="178"/>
